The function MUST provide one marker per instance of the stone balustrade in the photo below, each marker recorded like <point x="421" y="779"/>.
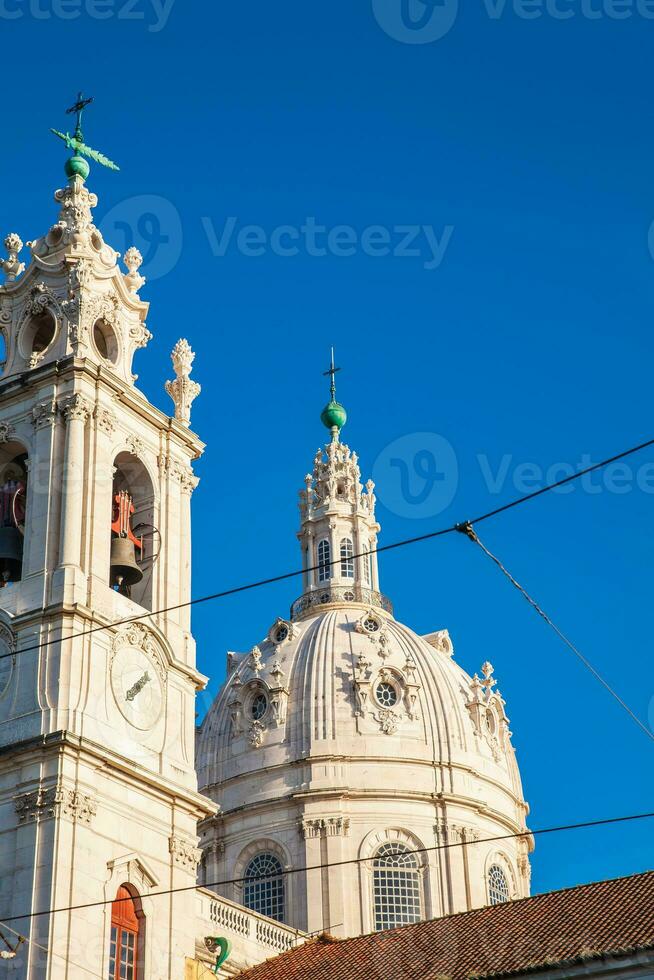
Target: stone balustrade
<point x="254" y="937"/>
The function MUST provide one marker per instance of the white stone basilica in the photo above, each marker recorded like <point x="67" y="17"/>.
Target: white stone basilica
<point x="346" y="759"/>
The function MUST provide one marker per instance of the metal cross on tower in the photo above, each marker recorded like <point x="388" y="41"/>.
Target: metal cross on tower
<point x="78" y="108"/>
<point x="332" y="372"/>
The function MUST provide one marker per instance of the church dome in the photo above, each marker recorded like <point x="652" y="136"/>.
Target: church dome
<point x="344" y="736"/>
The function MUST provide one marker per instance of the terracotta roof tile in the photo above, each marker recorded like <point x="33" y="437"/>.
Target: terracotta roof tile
<point x="601" y="918"/>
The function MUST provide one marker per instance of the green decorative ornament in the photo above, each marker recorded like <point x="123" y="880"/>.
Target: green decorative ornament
<point x="333" y="415"/>
<point x="77" y="167"/>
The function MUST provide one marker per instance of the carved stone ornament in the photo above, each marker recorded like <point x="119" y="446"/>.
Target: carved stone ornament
<point x="76" y="408"/>
<point x="136" y="446"/>
<point x="486" y="709"/>
<point x="184" y="853"/>
<point x="182" y="390"/>
<point x="57" y="801"/>
<point x="106" y="420"/>
<point x="256" y="733"/>
<point x="133" y="260"/>
<point x="6" y="432"/>
<point x="235" y="706"/>
<point x="178" y="472"/>
<point x="336" y="479"/>
<point x="44" y="414"/>
<point x="11" y="267"/>
<point x="388" y="721"/>
<point x="255" y="661"/>
<point x="137" y="635"/>
<point x="324" y="827"/>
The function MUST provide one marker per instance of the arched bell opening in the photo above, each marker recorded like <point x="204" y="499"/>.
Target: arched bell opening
<point x="134" y="538"/>
<point x="13" y="498"/>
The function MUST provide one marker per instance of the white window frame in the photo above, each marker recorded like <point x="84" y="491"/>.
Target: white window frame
<point x="324" y="553"/>
<point x="347" y="558"/>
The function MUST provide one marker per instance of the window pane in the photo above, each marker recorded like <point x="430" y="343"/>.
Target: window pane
<point x="396" y="886"/>
<point x="324" y="558"/>
<point x="498" y="886"/>
<point x="347" y="561"/>
<point x="264" y="886"/>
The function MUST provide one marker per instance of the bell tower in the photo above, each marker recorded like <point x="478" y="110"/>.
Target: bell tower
<point x="98" y="792"/>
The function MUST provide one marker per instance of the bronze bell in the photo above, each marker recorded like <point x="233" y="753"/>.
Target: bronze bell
<point x="11" y="554"/>
<point x="124" y="570"/>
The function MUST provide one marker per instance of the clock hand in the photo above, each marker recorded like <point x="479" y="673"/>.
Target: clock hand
<point x="140" y="684"/>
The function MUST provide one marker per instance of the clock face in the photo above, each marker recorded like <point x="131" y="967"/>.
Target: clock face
<point x="137" y="687"/>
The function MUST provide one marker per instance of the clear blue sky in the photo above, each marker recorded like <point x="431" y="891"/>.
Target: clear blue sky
<point x="530" y="139"/>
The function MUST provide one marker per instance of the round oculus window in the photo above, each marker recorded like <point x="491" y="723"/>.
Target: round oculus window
<point x="386" y="694"/>
<point x="371" y="625"/>
<point x="281" y="633"/>
<point x="259" y="707"/>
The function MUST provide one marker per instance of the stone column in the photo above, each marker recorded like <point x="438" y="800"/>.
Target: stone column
<point x="188" y="483"/>
<point x="41" y="489"/>
<point x="76" y="411"/>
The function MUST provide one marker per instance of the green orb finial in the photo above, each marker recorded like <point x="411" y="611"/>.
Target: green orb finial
<point x="76" y="166"/>
<point x="333" y="415"/>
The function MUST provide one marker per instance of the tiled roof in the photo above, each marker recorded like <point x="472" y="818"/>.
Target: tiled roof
<point x="603" y="918"/>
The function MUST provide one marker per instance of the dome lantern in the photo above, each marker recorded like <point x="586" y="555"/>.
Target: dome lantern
<point x="338" y="528"/>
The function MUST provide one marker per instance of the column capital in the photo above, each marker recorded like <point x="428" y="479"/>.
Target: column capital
<point x="76" y="408"/>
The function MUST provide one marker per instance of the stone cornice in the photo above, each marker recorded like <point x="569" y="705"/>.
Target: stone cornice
<point x="63" y="742"/>
<point x="382" y="760"/>
<point x="57" y="373"/>
<point x="85" y="615"/>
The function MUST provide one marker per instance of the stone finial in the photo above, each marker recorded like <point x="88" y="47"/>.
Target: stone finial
<point x="133" y="260"/>
<point x="182" y="390"/>
<point x="11" y="267"/>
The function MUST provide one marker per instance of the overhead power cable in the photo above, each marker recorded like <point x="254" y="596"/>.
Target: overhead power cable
<point x="313" y="568"/>
<point x="584" y="825"/>
<point x="470" y="532"/>
<point x="44" y="949"/>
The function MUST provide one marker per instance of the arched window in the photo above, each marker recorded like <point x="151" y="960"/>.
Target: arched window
<point x="324" y="559"/>
<point x="396" y="886"/>
<point x="498" y="886"/>
<point x="263" y="889"/>
<point x="135" y="541"/>
<point x="124" y="947"/>
<point x="347" y="561"/>
<point x="13" y="497"/>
